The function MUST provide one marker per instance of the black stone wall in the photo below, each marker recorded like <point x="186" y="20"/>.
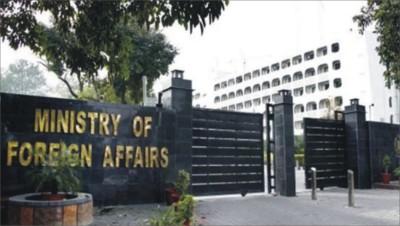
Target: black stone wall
<point x="381" y="141"/>
<point x="109" y="185"/>
<point x="366" y="144"/>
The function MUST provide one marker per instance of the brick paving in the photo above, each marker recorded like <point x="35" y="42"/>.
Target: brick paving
<point x="372" y="207"/>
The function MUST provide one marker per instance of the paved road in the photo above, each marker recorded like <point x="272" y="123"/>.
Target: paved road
<point x="372" y="207"/>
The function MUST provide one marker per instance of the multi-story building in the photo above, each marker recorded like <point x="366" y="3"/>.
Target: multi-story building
<point x="322" y="78"/>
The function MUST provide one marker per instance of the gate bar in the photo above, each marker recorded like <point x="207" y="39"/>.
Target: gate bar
<point x="270" y="149"/>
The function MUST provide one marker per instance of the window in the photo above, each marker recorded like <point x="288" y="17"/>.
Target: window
<point x="239" y="79"/>
<point x="224" y="97"/>
<point x="309" y="55"/>
<point x="256" y="102"/>
<point x="197" y="96"/>
<point x="335" y="47"/>
<point x="322" y="51"/>
<point x="298" y="124"/>
<point x="338" y="101"/>
<point x="309" y="72"/>
<point x="274" y="96"/>
<point x="224" y="108"/>
<point x="337" y="82"/>
<point x="275" y="67"/>
<point x="323" y="85"/>
<point x="285" y="63"/>
<point x="216" y="100"/>
<point x="336" y="65"/>
<point x="323" y="68"/>
<point x="390" y="102"/>
<point x="247" y="90"/>
<point x="223" y="85"/>
<point x="296" y="60"/>
<point x="256" y="88"/>
<point x="286" y="79"/>
<point x="311" y="106"/>
<point x="324" y="103"/>
<point x="297" y="76"/>
<point x="239" y="93"/>
<point x="265" y="85"/>
<point x="247" y="104"/>
<point x="298" y="92"/>
<point x="197" y="106"/>
<point x="231" y="107"/>
<point x="264" y="70"/>
<point x="247" y="76"/>
<point x="391" y="119"/>
<point x="310" y="89"/>
<point x="239" y="106"/>
<point x="256" y="73"/>
<point x="231" y="95"/>
<point x="216" y="87"/>
<point x="266" y="99"/>
<point x="298" y="108"/>
<point x="275" y="82"/>
<point x="231" y="82"/>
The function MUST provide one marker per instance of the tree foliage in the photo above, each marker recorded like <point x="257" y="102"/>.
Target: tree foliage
<point x="385" y="16"/>
<point x="23" y="77"/>
<point x="87" y="36"/>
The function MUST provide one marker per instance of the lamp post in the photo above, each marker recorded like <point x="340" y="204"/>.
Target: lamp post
<point x="370" y="112"/>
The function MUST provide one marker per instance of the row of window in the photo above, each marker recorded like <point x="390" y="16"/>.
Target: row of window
<point x="310" y="106"/>
<point x="275" y="67"/>
<point x="322" y="86"/>
<point x="323" y="68"/>
<point x="324" y="103"/>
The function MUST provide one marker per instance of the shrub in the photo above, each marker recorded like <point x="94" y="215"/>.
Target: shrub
<point x="57" y="173"/>
<point x="182" y="182"/>
<point x="176" y="215"/>
<point x="386" y="162"/>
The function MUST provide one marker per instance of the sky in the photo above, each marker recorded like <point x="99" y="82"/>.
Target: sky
<point x="248" y="33"/>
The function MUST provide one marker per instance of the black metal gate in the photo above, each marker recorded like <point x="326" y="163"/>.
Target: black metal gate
<point x="324" y="144"/>
<point x="227" y="152"/>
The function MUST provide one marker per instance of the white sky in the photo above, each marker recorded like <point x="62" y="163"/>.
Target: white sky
<point x="247" y="31"/>
<point x="256" y="32"/>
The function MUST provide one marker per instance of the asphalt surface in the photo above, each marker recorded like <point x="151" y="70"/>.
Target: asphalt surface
<point x="372" y="207"/>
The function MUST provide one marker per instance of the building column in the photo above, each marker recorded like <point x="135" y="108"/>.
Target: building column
<point x="356" y="144"/>
<point x="179" y="98"/>
<point x="284" y="144"/>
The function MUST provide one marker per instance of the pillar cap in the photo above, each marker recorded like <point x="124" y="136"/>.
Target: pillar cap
<point x="284" y="92"/>
<point x="354" y="101"/>
<point x="177" y="73"/>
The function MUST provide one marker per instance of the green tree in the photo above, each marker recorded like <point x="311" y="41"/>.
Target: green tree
<point x="87" y="36"/>
<point x="299" y="144"/>
<point x="132" y="53"/>
<point x="385" y="15"/>
<point x="23" y="77"/>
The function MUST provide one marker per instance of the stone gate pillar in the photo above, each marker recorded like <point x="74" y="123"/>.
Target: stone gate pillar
<point x="356" y="144"/>
<point x="284" y="144"/>
<point x="178" y="96"/>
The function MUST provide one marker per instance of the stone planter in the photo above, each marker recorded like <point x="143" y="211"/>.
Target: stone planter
<point x="74" y="211"/>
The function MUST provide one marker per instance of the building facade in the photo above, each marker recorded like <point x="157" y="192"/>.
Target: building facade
<point x="322" y="79"/>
